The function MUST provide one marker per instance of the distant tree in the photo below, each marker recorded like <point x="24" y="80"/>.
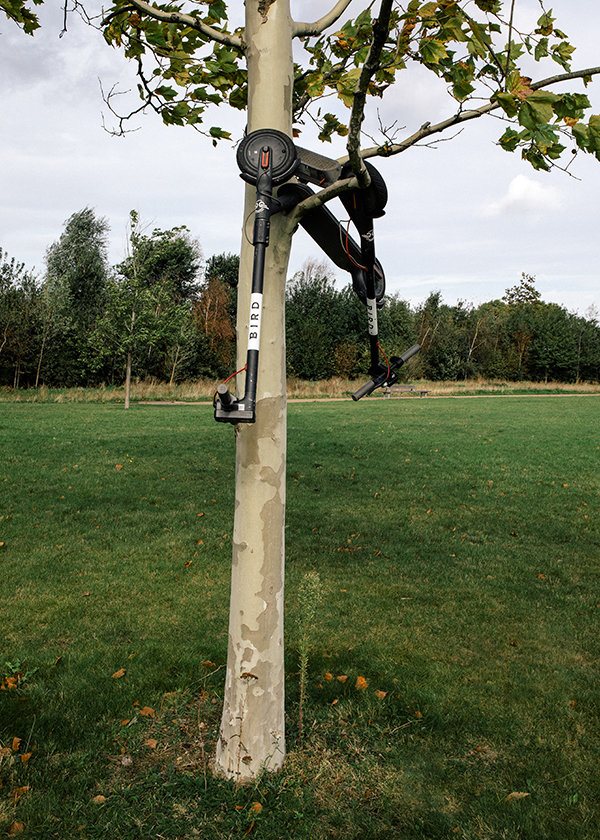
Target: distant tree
<point x="588" y="346"/>
<point x="521" y="300"/>
<point x="315" y="323"/>
<point x="215" y="312"/>
<point x="553" y="348"/>
<point x="523" y="293"/>
<point x="76" y="277"/>
<point x="172" y="258"/>
<point x="223" y="267"/>
<point x="19" y="295"/>
<point x="489" y="343"/>
<point x="149" y="303"/>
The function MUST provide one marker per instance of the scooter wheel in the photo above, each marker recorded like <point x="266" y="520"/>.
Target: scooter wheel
<point x="284" y="157"/>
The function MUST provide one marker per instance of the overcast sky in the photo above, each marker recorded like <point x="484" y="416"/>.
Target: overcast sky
<point x="465" y="219"/>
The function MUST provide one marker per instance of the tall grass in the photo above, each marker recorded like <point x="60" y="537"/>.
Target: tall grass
<point x="203" y="390"/>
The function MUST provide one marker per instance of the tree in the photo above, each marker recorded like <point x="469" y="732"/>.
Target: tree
<point x="521" y="300"/>
<point x="19" y="297"/>
<point x="149" y="302"/>
<point x="215" y="312"/>
<point x="479" y="52"/>
<point x="314" y="322"/>
<point x="76" y="276"/>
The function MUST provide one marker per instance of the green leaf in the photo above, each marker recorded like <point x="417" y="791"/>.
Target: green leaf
<point x="167" y="93"/>
<point x="561" y="53"/>
<point x="546" y="140"/>
<point x="541" y="49"/>
<point x="219" y="133"/>
<point x="510" y="140"/>
<point x="492" y="6"/>
<point x="507" y="102"/>
<point x="582" y="136"/>
<point x="537" y="109"/>
<point x="432" y="50"/>
<point x="571" y="105"/>
<point x="594" y="132"/>
<point x="347" y="86"/>
<point x="462" y="89"/>
<point x="535" y="158"/>
<point x="316" y="85"/>
<point x="545" y="24"/>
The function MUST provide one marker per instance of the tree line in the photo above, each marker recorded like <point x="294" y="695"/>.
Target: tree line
<point x="165" y="313"/>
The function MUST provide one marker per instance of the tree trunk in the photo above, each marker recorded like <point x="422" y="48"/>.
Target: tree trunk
<point x="39" y="365"/>
<point x="252" y="734"/>
<point x="129" y="355"/>
<point x="174" y="368"/>
<point x="128" y="379"/>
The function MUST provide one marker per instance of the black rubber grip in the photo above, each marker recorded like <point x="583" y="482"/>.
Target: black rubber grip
<point x="225" y="395"/>
<point x="410" y="352"/>
<point x="365" y="389"/>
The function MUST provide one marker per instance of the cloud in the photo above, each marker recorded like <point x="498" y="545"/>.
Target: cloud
<point x="524" y="195"/>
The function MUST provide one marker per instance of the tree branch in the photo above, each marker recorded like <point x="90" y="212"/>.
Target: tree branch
<point x="188" y="20"/>
<point x="428" y="129"/>
<point x="301" y="29"/>
<point x="318" y="199"/>
<point x="381" y="28"/>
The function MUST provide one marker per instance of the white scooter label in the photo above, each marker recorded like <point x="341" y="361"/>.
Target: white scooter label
<point x="254" y="325"/>
<point x="372" y="316"/>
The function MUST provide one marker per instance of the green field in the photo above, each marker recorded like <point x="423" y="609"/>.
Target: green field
<point x="458" y="546"/>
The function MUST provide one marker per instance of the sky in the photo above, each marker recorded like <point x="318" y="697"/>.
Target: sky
<point x="464" y="218"/>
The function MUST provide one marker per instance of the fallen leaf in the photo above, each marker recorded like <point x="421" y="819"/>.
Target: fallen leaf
<point x="256" y="807"/>
<point x="516" y="795"/>
<point x="99" y="800"/>
<point x="334" y="702"/>
<point x="187" y="563"/>
<point x="208" y="664"/>
<point x="15" y="744"/>
<point x="380" y="694"/>
<point x="342" y="678"/>
<point x="328" y="676"/>
<point x="419" y="715"/>
<point x="118" y="674"/>
<point x="147" y="712"/>
<point x="25" y="757"/>
<point x="15" y="829"/>
<point x="151" y="743"/>
<point x="118" y="466"/>
<point x="17" y="793"/>
<point x="361" y="683"/>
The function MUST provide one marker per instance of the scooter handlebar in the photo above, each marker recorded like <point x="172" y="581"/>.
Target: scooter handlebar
<point x="388" y="376"/>
<point x="408" y="354"/>
<point x="365" y="389"/>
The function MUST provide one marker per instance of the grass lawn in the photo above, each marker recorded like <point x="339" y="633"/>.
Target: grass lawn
<point x="453" y="675"/>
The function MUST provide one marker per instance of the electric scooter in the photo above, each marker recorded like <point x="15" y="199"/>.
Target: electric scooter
<point x="269" y="158"/>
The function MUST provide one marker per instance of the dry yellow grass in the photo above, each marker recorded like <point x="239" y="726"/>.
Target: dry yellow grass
<point x="337" y="387"/>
